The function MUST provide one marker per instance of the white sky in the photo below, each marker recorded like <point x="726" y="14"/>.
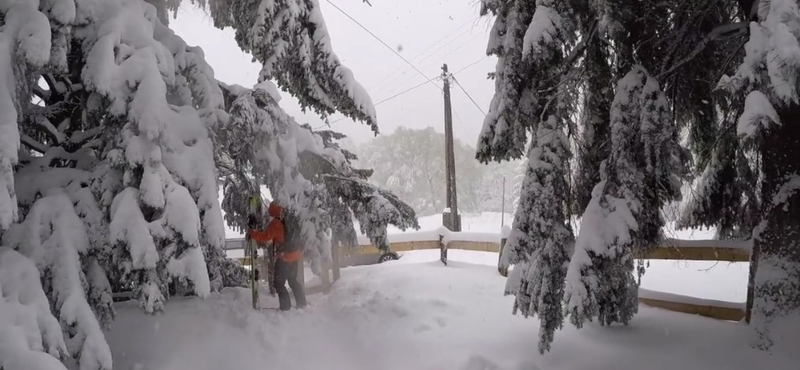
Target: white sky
<point x="430" y="33"/>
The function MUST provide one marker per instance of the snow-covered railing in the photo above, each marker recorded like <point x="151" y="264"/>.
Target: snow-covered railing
<point x="670" y="249"/>
<point x="702" y="250"/>
<point x="720" y="310"/>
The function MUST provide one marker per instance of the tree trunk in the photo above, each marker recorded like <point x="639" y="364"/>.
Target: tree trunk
<point x="776" y="311"/>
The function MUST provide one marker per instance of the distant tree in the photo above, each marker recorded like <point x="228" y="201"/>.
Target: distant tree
<point x="411" y="164"/>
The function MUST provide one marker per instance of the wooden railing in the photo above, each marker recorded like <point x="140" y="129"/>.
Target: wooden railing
<point x="671" y="249"/>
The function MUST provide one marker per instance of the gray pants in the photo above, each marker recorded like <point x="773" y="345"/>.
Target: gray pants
<point x="287" y="272"/>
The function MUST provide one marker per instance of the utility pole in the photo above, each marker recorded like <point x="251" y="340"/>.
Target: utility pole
<point x="452" y="220"/>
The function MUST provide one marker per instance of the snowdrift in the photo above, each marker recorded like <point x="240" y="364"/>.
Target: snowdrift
<point x="409" y="314"/>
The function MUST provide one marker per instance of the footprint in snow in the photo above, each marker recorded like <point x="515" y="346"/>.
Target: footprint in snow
<point x="421" y="328"/>
<point x="528" y="365"/>
<point x="477" y="362"/>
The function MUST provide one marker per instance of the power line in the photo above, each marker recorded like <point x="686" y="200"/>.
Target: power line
<point x="434" y="78"/>
<point x="382" y="101"/>
<point x="398" y="94"/>
<point x="421" y="63"/>
<point x="470" y="97"/>
<point x="384" y="44"/>
<point x="415" y="87"/>
<point x="414" y="59"/>
<point x="470" y="65"/>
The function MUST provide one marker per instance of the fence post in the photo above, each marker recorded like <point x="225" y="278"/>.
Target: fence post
<point x="326" y="277"/>
<point x="503" y="270"/>
<point x="336" y="261"/>
<point x="751" y="282"/>
<point x="301" y="273"/>
<point x="443" y="250"/>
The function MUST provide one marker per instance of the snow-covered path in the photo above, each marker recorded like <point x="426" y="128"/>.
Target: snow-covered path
<point x="420" y="316"/>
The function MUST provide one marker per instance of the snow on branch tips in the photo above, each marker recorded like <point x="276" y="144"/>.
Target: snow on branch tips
<point x="30" y="337"/>
<point x="374" y="208"/>
<point x="530" y="40"/>
<point x="24" y="47"/>
<point x="55" y="238"/>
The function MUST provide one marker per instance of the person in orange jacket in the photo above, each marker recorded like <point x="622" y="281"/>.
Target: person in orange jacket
<point x="287" y="257"/>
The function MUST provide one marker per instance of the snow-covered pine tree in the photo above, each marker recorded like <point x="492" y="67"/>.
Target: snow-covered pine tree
<point x="533" y="92"/>
<point x="157" y="148"/>
<point x="769" y="75"/>
<point x="115" y="181"/>
<point x="541" y="237"/>
<point x="107" y="165"/>
<point x="290" y="39"/>
<point x="195" y="86"/>
<point x="643" y="172"/>
<point x="49" y="194"/>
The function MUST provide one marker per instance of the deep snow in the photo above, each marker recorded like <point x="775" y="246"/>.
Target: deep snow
<point x="415" y="314"/>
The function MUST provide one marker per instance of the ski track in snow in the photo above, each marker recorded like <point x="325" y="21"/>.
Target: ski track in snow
<point x="409" y="314"/>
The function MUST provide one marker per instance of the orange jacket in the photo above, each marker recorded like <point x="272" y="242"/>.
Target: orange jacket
<point x="275" y="233"/>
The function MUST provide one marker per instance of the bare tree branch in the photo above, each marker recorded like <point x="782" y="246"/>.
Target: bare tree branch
<point x="580" y="47"/>
<point x="41" y="93"/>
<point x="82" y="137"/>
<point x="47" y="126"/>
<point x="33" y="144"/>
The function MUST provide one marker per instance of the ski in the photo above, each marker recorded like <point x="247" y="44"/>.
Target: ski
<point x="253" y="273"/>
<point x="252" y="248"/>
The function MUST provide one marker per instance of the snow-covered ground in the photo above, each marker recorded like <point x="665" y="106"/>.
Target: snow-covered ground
<point x="415" y="314"/>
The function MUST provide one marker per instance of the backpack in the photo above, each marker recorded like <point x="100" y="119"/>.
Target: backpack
<point x="293" y="233"/>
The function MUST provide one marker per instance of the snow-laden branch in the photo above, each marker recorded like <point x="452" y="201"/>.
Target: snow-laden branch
<point x="726" y="30"/>
<point x="292" y="42"/>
